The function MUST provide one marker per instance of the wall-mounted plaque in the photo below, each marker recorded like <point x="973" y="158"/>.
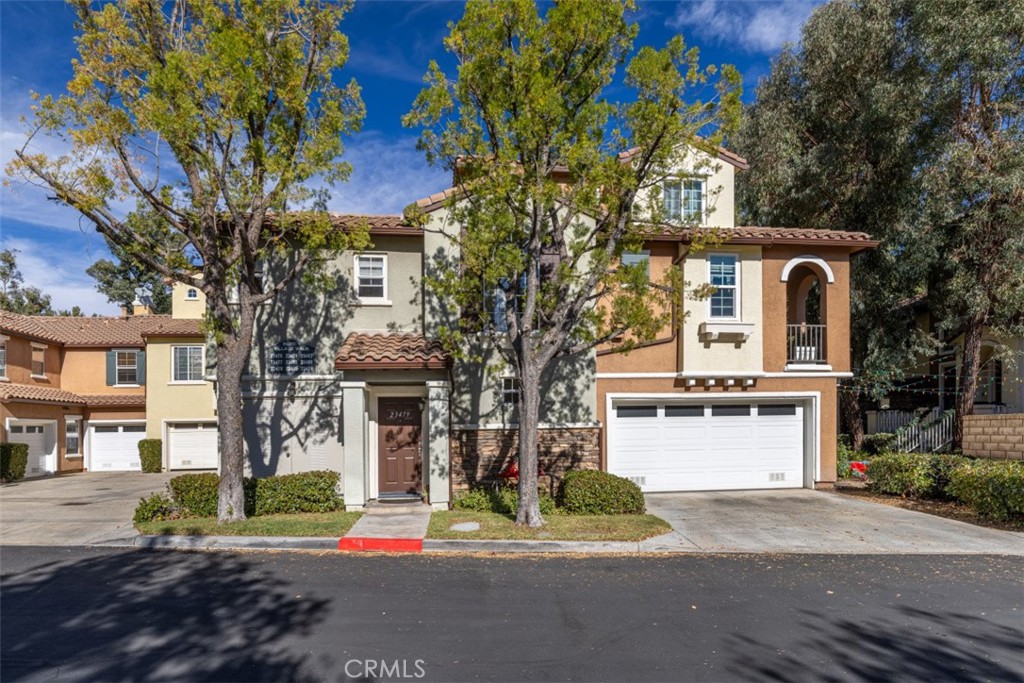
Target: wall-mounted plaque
<point x="291" y="358"/>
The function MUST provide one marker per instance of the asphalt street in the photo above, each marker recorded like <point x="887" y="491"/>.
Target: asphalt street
<point x="108" y="614"/>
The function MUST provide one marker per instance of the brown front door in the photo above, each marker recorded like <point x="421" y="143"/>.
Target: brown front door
<point x="399" y="423"/>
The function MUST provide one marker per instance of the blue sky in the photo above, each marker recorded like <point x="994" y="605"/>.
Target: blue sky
<point x="392" y="41"/>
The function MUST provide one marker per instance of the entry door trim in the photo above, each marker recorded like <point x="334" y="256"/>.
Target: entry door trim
<point x="416" y="400"/>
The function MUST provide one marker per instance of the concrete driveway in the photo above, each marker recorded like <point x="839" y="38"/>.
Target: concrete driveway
<point x="74" y="509"/>
<point x="804" y="521"/>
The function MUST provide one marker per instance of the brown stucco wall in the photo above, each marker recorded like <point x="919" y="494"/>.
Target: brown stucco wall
<point x="826" y="386"/>
<point x="478" y="456"/>
<point x="836" y="304"/>
<point x="41" y="411"/>
<point x="19" y="362"/>
<point x="994" y="436"/>
<point x="85" y="372"/>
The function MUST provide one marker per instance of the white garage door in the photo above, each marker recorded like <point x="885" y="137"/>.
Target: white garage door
<point x="115" y="448"/>
<point x="41" y="440"/>
<point x="192" y="446"/>
<point x="675" y="446"/>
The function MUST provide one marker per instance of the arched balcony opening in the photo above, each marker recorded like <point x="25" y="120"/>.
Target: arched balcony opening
<point x="807" y="280"/>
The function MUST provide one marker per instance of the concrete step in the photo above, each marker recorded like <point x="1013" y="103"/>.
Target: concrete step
<point x="375" y="507"/>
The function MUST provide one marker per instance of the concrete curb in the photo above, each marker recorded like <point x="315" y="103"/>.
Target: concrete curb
<point x="436" y="545"/>
<point x="255" y="542"/>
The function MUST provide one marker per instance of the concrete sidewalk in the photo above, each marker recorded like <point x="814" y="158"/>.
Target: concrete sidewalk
<point x="388" y="532"/>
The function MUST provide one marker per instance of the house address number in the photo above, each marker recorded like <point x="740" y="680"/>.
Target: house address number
<point x="291" y="357"/>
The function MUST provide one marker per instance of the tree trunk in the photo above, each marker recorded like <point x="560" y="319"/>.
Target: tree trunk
<point x="970" y="363"/>
<point x="528" y="513"/>
<point x="232" y="354"/>
<point x="853" y="416"/>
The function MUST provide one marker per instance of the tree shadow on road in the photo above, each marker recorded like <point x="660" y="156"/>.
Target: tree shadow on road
<point x="153" y="615"/>
<point x="935" y="648"/>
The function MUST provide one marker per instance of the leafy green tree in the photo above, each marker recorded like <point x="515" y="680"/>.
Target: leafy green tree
<point x="209" y="117"/>
<point x="14" y="295"/>
<point x="546" y="206"/>
<point x="123" y="281"/>
<point x="868" y="137"/>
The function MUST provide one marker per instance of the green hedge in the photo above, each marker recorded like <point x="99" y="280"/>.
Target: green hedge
<point x="195" y="495"/>
<point x="302" y="492"/>
<point x="994" y="488"/>
<point x="151" y="454"/>
<point x="590" y="492"/>
<point x="877" y="444"/>
<point x="504" y="499"/>
<point x="914" y="475"/>
<point x="13" y="461"/>
<point x="157" y="508"/>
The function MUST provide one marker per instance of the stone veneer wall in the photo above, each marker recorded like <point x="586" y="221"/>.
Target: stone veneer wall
<point x="478" y="456"/>
<point x="994" y="436"/>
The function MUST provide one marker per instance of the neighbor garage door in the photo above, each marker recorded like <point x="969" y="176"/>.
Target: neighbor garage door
<point x="192" y="446"/>
<point x="677" y="446"/>
<point x="41" y="440"/>
<point x="115" y="448"/>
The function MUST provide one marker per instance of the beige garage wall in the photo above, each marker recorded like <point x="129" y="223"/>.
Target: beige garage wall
<point x="166" y="400"/>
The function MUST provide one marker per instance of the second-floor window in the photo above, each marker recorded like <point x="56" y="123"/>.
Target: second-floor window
<point x="192" y="294"/>
<point x="38" y="361"/>
<point x="509" y="391"/>
<point x="3" y="358"/>
<point x="684" y="200"/>
<point x="127" y="367"/>
<point x="372" y="277"/>
<point x="724" y="276"/>
<point x="187" y="364"/>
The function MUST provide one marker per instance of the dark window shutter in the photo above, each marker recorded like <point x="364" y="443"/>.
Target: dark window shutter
<point x="140" y="367"/>
<point x="111" y="369"/>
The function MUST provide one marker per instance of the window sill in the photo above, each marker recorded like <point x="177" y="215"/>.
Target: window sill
<point x="373" y="302"/>
<point x="725" y="330"/>
<point x="73" y="457"/>
<point x="5" y="379"/>
<point x="190" y="383"/>
<point x="42" y="377"/>
<point x="126" y="386"/>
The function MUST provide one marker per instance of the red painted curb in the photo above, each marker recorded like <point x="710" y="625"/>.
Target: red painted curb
<point x="386" y="545"/>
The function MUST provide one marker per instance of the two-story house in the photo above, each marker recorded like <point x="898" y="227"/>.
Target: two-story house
<point x="74" y="388"/>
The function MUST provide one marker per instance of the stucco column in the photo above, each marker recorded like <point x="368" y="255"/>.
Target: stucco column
<point x="353" y="434"/>
<point x="437" y="444"/>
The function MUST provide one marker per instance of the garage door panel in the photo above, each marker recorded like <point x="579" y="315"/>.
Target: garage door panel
<point x="691" y="446"/>
<point x="192" y="446"/>
<point x="115" y="448"/>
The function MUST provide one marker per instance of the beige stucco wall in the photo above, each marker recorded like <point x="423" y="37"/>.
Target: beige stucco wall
<point x="724" y="355"/>
<point x="170" y="401"/>
<point x="719" y="188"/>
<point x="182" y="306"/>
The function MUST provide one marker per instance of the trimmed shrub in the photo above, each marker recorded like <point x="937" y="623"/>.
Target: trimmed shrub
<point x="302" y="492"/>
<point x="590" y="492"/>
<point x="13" y="461"/>
<point x="876" y="444"/>
<point x="195" y="494"/>
<point x="992" y="488"/>
<point x="157" y="508"/>
<point x="151" y="455"/>
<point x="913" y="475"/>
<point x="503" y="500"/>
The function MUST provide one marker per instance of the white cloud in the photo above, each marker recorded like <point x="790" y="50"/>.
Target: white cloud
<point x="755" y="26"/>
<point x="59" y="270"/>
<point x="387" y="174"/>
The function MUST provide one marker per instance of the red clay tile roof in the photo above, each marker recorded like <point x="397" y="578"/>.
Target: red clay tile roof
<point x="365" y="351"/>
<point x="437" y="200"/>
<point x="769" y="236"/>
<point x="28" y="392"/>
<point x="91" y="332"/>
<point x="114" y="400"/>
<point x="378" y="225"/>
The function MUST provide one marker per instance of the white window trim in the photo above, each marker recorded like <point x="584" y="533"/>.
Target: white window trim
<point x="371" y="301"/>
<point x="3" y="368"/>
<point x="738" y="300"/>
<point x="202" y="355"/>
<point x="191" y="294"/>
<point x="31" y="361"/>
<point x="81" y="439"/>
<point x="664" y="205"/>
<point x="506" y="393"/>
<point x="118" y="367"/>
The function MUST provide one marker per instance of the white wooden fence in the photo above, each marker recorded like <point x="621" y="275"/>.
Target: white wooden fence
<point x="926" y="437"/>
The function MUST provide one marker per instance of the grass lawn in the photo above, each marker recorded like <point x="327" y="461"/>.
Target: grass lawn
<point x="301" y="524"/>
<point x="494" y="526"/>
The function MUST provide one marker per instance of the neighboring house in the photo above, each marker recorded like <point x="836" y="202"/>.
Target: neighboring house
<point x="74" y="388"/>
<point x="742" y="396"/>
<point x="180" y="402"/>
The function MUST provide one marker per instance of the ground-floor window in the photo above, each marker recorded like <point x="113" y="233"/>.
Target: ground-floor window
<point x="72" y="438"/>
